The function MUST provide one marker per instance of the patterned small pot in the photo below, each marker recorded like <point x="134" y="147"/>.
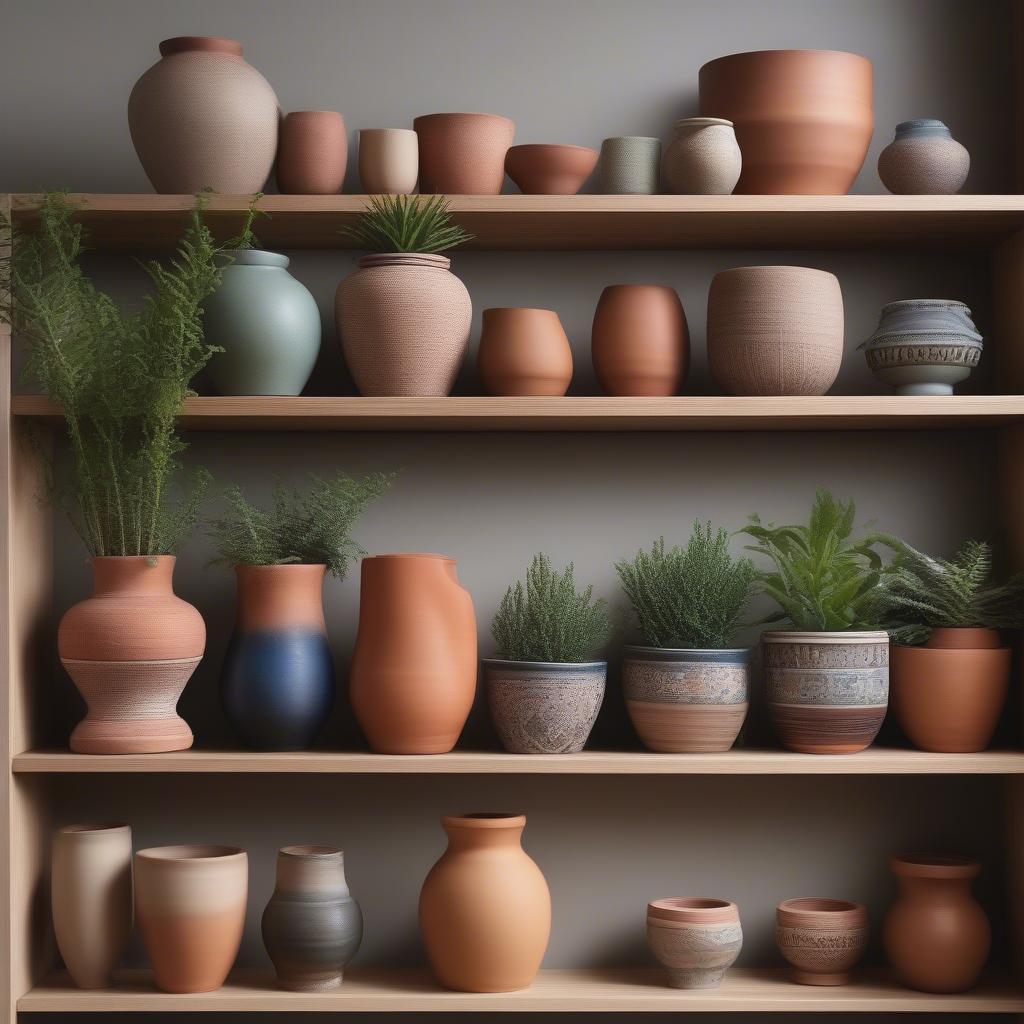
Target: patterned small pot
<point x="704" y="158"/>
<point x="686" y="702"/>
<point x="544" y="707"/>
<point x="823" y="939"/>
<point x="697" y="939"/>
<point x="924" y="159"/>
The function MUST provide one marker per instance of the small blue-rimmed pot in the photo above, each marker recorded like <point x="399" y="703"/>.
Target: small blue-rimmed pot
<point x="541" y="707"/>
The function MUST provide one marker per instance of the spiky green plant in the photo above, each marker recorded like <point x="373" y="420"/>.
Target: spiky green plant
<point x="420" y="224"/>
<point x="923" y="593"/>
<point x="311" y="527"/>
<point x="689" y="597"/>
<point x="548" y="619"/>
<point x="821" y="579"/>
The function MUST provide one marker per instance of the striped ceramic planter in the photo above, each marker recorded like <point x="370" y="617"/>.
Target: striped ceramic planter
<point x="827" y="692"/>
<point x="686" y="702"/>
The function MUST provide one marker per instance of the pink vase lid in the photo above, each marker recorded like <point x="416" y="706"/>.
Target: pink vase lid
<point x="206" y="44"/>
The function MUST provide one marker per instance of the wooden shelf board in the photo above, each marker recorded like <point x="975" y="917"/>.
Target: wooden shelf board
<point x="585" y="414"/>
<point x="874" y="761"/>
<point x="597" y="222"/>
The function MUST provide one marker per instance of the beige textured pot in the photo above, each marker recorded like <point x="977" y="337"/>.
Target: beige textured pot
<point x="91" y="893"/>
<point x="775" y="330"/>
<point x="389" y="160"/>
<point x="704" y="158"/>
<point x="404" y="324"/>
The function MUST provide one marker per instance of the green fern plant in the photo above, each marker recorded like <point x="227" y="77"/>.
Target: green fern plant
<point x="690" y="597"/>
<point x="420" y="224"/>
<point x="548" y="619"/>
<point x="311" y="527"/>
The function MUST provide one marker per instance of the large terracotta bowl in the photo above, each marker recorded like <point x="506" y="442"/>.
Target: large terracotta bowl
<point x="542" y="169"/>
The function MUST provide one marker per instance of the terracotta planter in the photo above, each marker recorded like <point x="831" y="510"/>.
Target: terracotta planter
<point x="936" y="936"/>
<point x="695" y="938"/>
<point x="389" y="160"/>
<point x="640" y="343"/>
<point x="827" y="692"/>
<point x="312" y="153"/>
<point x="524" y="352"/>
<point x="91" y="895"/>
<point x="463" y="154"/>
<point x="803" y="118"/>
<point x="544" y="707"/>
<point x="924" y="159"/>
<point x="190" y="903"/>
<point x="775" y="330"/>
<point x="948" y="695"/>
<point x="823" y="939"/>
<point x="413" y="675"/>
<point x="203" y="118"/>
<point x="404" y="324"/>
<point x="550" y="170"/>
<point x="278" y="677"/>
<point x="629" y="165"/>
<point x="485" y="909"/>
<point x="704" y="158"/>
<point x="686" y="702"/>
<point x="130" y="649"/>
<point x="311" y="927"/>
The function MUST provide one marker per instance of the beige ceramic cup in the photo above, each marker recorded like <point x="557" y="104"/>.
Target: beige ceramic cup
<point x="389" y="160"/>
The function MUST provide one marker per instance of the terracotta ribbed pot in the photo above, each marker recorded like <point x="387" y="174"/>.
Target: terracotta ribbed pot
<point x="203" y="118"/>
<point x="524" y="352"/>
<point x="923" y="159"/>
<point x="936" y="935"/>
<point x="948" y="695"/>
<point x="827" y="692"/>
<point x="190" y="903"/>
<point x="463" y="154"/>
<point x="803" y="118"/>
<point x="640" y="343"/>
<point x="404" y="324"/>
<point x="389" y="160"/>
<point x="697" y="939"/>
<point x="130" y="649"/>
<point x="823" y="939"/>
<point x="278" y="676"/>
<point x="686" y="702"/>
<point x="704" y="158"/>
<point x="775" y="330"/>
<point x="485" y="909"/>
<point x="543" y="169"/>
<point x="91" y="897"/>
<point x="312" y="927"/>
<point x="413" y="676"/>
<point x="312" y="153"/>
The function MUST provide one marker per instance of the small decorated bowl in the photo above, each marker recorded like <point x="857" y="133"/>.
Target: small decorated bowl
<point x="822" y="939"/>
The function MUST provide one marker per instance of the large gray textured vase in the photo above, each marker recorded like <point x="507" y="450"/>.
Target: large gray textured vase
<point x="544" y="707"/>
<point x="312" y="926"/>
<point x="268" y="325"/>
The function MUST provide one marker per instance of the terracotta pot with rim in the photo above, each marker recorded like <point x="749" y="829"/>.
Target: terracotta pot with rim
<point x="524" y="352"/>
<point x="463" y="154"/>
<point x="697" y="939"/>
<point x="823" y="939"/>
<point x="312" y="153"/>
<point x="547" y="169"/>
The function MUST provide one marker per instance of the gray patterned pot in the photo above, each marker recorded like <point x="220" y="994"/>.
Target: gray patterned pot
<point x="924" y="159"/>
<point x="686" y="702"/>
<point x="697" y="939"/>
<point x="541" y="707"/>
<point x="827" y="692"/>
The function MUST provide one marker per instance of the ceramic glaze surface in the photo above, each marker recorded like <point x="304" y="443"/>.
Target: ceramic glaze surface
<point x="822" y="939"/>
<point x="312" y="153"/>
<point x="463" y="154"/>
<point x="704" y="158"/>
<point x="524" y="352"/>
<point x="389" y="160"/>
<point x="541" y="169"/>
<point x="696" y="939"/>
<point x="924" y="159"/>
<point x="629" y="165"/>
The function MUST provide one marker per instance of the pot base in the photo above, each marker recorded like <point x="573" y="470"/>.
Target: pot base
<point x="694" y="979"/>
<point x="925" y="389"/>
<point x="687" y="728"/>
<point x="310" y="983"/>
<point x="807" y="978"/>
<point x="131" y="737"/>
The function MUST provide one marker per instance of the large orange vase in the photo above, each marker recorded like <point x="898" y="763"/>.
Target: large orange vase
<point x="485" y="909"/>
<point x="130" y="649"/>
<point x="413" y="675"/>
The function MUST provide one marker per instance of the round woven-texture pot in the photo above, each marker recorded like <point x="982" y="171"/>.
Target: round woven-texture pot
<point x="923" y="159"/>
<point x="822" y="939"/>
<point x="704" y="158"/>
<point x="695" y="938"/>
<point x="775" y="330"/>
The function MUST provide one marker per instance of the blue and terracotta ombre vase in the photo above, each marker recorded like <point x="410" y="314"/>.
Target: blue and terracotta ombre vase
<point x="278" y="679"/>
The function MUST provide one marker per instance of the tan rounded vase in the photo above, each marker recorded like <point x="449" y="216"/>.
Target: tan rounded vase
<point x="822" y="939"/>
<point x="463" y="154"/>
<point x="803" y="118"/>
<point x="485" y="909"/>
<point x="524" y="352"/>
<point x="775" y="330"/>
<point x="704" y="158"/>
<point x="404" y="324"/>
<point x="389" y="160"/>
<point x="130" y="649"/>
<point x="203" y="118"/>
<point x="413" y="676"/>
<point x="312" y="153"/>
<point x="190" y="902"/>
<point x="91" y="894"/>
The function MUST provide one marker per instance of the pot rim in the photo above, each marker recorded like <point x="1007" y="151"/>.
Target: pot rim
<point x="256" y="258"/>
<point x="804" y="905"/>
<point x="302" y="851"/>
<point x="371" y="131"/>
<point x="405" y="259"/>
<point x="631" y="138"/>
<point x="552" y="145"/>
<point x="192" y="853"/>
<point x="526" y="309"/>
<point x="701" y="122"/>
<point x="409" y="554"/>
<point x="776" y="266"/>
<point x="687" y="650"/>
<point x="788" y="50"/>
<point x="922" y="303"/>
<point x="276" y="566"/>
<point x="692" y="909"/>
<point x="206" y="44"/>
<point x="463" y="113"/>
<point x="852" y="636"/>
<point x="131" y="558"/>
<point x="929" y="865"/>
<point x="544" y="665"/>
<point x="292" y="113"/>
<point x="92" y="829"/>
<point x="484" y="820"/>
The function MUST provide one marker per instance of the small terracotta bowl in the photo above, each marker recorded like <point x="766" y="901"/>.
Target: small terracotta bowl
<point x="543" y="169"/>
<point x="822" y="939"/>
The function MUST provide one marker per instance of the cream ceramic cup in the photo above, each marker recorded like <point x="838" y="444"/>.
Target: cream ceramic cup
<point x="389" y="160"/>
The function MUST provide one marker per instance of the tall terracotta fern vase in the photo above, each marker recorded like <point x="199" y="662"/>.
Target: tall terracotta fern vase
<point x="130" y="649"/>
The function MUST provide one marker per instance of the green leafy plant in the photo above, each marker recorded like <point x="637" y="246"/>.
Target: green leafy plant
<point x="311" y="527"/>
<point x="689" y="597"/>
<point x="821" y="579"/>
<point x="548" y="619"/>
<point x="420" y="224"/>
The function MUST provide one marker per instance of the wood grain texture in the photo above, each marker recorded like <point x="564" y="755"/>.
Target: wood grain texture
<point x="1008" y="308"/>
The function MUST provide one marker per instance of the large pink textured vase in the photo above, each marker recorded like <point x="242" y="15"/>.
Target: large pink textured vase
<point x="203" y="118"/>
<point x="130" y="649"/>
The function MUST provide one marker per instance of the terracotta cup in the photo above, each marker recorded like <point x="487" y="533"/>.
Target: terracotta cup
<point x="190" y="902"/>
<point x="463" y="154"/>
<point x="389" y="160"/>
<point x="640" y="343"/>
<point x="312" y="153"/>
<point x="524" y="352"/>
<point x="550" y="170"/>
<point x="697" y="939"/>
<point x="823" y="939"/>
